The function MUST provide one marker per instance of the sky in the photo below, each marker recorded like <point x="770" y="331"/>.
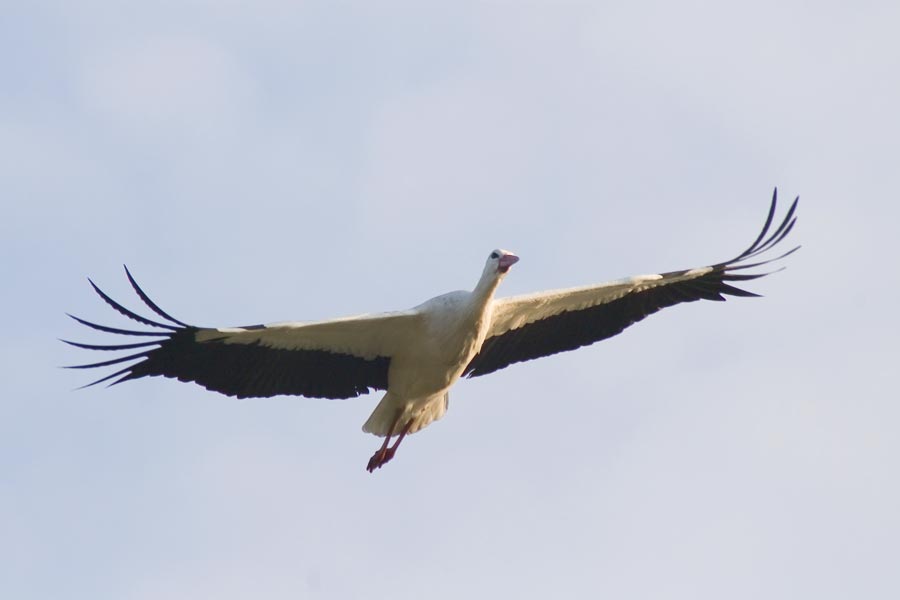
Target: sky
<point x="266" y="160"/>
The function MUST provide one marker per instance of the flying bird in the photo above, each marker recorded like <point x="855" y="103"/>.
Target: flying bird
<point x="415" y="355"/>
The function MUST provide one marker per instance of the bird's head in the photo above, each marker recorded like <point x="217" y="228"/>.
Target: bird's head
<point x="499" y="261"/>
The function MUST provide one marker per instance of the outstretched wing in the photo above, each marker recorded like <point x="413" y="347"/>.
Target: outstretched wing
<point x="535" y="325"/>
<point x="342" y="358"/>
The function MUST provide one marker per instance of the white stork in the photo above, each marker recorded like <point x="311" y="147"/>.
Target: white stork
<point x="415" y="355"/>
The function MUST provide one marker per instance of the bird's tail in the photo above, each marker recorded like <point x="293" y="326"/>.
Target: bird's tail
<point x="381" y="421"/>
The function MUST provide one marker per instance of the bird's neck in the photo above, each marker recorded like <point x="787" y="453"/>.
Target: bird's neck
<point x="484" y="290"/>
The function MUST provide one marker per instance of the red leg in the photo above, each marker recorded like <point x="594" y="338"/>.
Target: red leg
<point x="384" y="453"/>
<point x="401" y="436"/>
<point x="378" y="458"/>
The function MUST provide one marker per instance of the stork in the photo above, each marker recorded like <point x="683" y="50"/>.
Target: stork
<point x="415" y="356"/>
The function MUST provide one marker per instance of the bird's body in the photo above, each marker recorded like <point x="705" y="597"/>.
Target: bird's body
<point x="450" y="331"/>
<point x="418" y="354"/>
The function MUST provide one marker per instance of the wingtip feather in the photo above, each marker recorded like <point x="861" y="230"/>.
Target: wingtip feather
<point x="126" y="312"/>
<point x="150" y="303"/>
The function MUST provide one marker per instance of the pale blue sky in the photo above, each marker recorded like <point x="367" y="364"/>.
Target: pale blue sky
<point x="273" y="160"/>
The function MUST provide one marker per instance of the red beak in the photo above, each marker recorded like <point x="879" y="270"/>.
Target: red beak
<point x="506" y="261"/>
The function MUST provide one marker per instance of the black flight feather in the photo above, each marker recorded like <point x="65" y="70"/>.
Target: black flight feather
<point x="242" y="370"/>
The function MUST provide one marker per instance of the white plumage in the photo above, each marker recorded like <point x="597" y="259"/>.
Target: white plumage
<point x="415" y="355"/>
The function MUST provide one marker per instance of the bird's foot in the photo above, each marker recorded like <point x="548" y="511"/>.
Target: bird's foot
<point x="379" y="459"/>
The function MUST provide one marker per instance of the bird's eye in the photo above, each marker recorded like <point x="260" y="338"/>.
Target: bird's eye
<point x="495" y="255"/>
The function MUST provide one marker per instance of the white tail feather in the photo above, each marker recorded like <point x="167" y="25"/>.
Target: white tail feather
<point x="422" y="414"/>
